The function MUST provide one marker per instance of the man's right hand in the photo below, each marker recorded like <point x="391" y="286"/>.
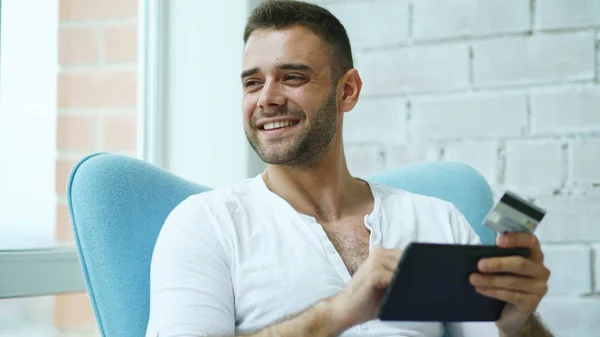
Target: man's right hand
<point x="359" y="301"/>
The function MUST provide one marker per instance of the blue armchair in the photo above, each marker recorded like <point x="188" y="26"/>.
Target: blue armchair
<point x="118" y="204"/>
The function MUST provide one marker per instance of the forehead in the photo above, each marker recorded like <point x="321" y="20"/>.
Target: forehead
<point x="266" y="48"/>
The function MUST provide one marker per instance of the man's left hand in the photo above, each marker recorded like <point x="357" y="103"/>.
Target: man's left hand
<point x="523" y="284"/>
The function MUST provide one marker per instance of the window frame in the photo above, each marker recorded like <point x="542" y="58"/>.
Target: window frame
<point x="39" y="270"/>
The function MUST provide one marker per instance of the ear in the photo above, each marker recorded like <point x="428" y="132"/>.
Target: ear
<point x="350" y="85"/>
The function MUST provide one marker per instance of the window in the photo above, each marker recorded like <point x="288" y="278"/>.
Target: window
<point x="68" y="88"/>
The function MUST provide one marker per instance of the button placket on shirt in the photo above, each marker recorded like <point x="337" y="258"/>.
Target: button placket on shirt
<point x="329" y="248"/>
<point x="336" y="259"/>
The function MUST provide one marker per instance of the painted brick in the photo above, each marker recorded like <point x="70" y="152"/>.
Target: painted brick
<point x="97" y="88"/>
<point x="571" y="317"/>
<point x="77" y="46"/>
<point x="119" y="132"/>
<point x="571" y="269"/>
<point x="64" y="230"/>
<point x="551" y="14"/>
<point x="75" y="133"/>
<point x="482" y="156"/>
<point x="414" y="70"/>
<point x="433" y="19"/>
<point x="596" y="264"/>
<point x="584" y="161"/>
<point x="538" y="59"/>
<point x="565" y="110"/>
<point x="406" y="154"/>
<point x="120" y="43"/>
<point x="364" y="160"/>
<point x="73" y="311"/>
<point x="85" y="10"/>
<point x="598" y="57"/>
<point x="64" y="166"/>
<point x="385" y="25"/>
<point x="569" y="219"/>
<point x="376" y="121"/>
<point x="533" y="165"/>
<point x="469" y="116"/>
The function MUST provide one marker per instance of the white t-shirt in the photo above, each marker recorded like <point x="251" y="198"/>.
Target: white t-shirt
<point x="237" y="259"/>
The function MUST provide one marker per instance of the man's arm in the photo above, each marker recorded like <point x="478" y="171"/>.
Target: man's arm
<point x="316" y="321"/>
<point x="357" y="303"/>
<point x="533" y="328"/>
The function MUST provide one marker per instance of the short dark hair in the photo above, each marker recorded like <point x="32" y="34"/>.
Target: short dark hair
<point x="278" y="14"/>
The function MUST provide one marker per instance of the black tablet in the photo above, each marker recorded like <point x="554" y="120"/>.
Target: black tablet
<point x="432" y="284"/>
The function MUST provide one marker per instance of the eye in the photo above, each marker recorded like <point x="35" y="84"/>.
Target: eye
<point x="250" y="82"/>
<point x="293" y="77"/>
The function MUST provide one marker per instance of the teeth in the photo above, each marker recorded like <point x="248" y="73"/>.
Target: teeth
<point x="276" y="125"/>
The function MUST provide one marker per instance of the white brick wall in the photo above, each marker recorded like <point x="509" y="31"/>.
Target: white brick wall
<point x="596" y="263"/>
<point x="534" y="166"/>
<point x="597" y="56"/>
<point x="399" y="155"/>
<point x="414" y="70"/>
<point x="571" y="268"/>
<point x="470" y="116"/>
<point x="377" y="120"/>
<point x="584" y="158"/>
<point x="565" y="110"/>
<point x="517" y="61"/>
<point x="509" y="87"/>
<point x="553" y="14"/>
<point x="571" y="316"/>
<point x="364" y="159"/>
<point x="570" y="219"/>
<point x="470" y="18"/>
<point x="480" y="155"/>
<point x="390" y="28"/>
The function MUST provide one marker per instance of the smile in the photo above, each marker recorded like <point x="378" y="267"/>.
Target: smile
<point x="278" y="125"/>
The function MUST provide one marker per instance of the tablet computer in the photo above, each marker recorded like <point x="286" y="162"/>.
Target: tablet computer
<point x="432" y="284"/>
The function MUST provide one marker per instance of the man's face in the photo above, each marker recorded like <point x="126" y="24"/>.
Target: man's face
<point x="289" y="102"/>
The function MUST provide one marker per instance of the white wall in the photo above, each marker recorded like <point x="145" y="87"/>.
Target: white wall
<point x="205" y="138"/>
<point x="28" y="70"/>
<point x="509" y="88"/>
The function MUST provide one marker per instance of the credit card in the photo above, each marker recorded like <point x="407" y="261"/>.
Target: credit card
<point x="514" y="214"/>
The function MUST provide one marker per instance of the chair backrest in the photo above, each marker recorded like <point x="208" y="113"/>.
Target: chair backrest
<point x="118" y="205"/>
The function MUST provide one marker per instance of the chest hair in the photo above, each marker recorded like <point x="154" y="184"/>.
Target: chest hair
<point x="352" y="244"/>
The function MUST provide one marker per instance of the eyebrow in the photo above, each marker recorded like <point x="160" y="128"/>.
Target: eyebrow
<point x="285" y="66"/>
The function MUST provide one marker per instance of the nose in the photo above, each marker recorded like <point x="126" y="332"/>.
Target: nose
<point x="270" y="96"/>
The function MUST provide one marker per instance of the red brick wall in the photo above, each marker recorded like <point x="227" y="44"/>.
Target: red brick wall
<point x="97" y="88"/>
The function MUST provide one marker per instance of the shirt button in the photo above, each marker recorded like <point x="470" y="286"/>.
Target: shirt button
<point x="364" y="326"/>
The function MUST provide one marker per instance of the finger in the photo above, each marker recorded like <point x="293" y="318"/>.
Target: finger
<point x="509" y="282"/>
<point x="514" y="265"/>
<point x="526" y="240"/>
<point x="387" y="259"/>
<point x="525" y="302"/>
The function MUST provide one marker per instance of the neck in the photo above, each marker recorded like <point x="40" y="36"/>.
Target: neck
<point x="324" y="190"/>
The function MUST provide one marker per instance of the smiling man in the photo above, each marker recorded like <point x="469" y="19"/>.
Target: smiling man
<point x="305" y="248"/>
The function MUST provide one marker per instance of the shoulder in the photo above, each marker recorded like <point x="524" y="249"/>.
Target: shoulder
<point x="432" y="218"/>
<point x="218" y="202"/>
<point x="210" y="213"/>
<point x="396" y="197"/>
<point x="204" y="221"/>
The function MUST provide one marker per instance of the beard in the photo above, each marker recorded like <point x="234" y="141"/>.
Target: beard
<point x="307" y="145"/>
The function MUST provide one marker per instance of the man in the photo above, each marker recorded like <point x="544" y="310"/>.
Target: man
<point x="305" y="249"/>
